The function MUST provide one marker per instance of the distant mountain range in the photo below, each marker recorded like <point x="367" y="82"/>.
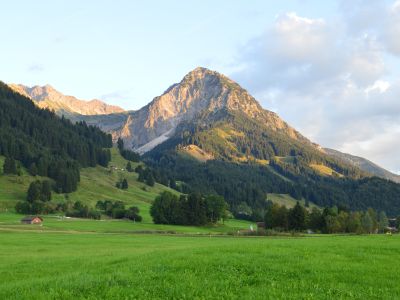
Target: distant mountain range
<point x="48" y="97"/>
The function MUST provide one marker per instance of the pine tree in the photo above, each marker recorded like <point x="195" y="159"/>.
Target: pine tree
<point x="9" y="166"/>
<point x="124" y="184"/>
<point x="33" y="170"/>
<point x="120" y="144"/>
<point x="45" y="191"/>
<point x="150" y="179"/>
<point x="129" y="167"/>
<point x="297" y="217"/>
<point x="34" y="191"/>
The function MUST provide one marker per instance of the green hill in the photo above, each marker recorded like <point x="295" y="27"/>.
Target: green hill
<point x="97" y="183"/>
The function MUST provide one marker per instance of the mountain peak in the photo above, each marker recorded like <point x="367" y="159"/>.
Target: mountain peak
<point x="201" y="89"/>
<point x="201" y="73"/>
<point x="200" y="92"/>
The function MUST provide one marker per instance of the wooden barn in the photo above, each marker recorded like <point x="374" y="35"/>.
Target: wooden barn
<point x="32" y="220"/>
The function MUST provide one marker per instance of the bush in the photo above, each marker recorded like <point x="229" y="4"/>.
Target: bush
<point x="23" y="207"/>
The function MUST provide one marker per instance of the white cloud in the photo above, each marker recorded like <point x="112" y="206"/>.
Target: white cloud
<point x="380" y="85"/>
<point x="330" y="78"/>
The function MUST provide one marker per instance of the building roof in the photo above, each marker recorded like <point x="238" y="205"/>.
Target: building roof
<point x="30" y="218"/>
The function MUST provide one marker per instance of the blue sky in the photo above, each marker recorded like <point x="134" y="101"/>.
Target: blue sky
<point x="329" y="68"/>
<point x="129" y="51"/>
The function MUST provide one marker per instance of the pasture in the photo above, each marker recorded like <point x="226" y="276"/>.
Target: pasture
<point x="81" y="265"/>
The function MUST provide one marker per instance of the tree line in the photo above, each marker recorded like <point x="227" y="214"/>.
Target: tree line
<point x="328" y="220"/>
<point x="127" y="154"/>
<point x="193" y="209"/>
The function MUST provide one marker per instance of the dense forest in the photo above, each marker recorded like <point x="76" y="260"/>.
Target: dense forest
<point x="48" y="145"/>
<point x="248" y="182"/>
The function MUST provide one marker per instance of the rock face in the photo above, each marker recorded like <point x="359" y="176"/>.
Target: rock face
<point x="199" y="91"/>
<point x="47" y="97"/>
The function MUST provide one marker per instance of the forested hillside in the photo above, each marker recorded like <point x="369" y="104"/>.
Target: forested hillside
<point x="48" y="145"/>
<point x="244" y="160"/>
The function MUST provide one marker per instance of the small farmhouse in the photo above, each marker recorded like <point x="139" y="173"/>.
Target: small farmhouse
<point x="260" y="225"/>
<point x="32" y="220"/>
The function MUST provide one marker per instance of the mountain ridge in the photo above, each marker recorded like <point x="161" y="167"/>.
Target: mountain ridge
<point x="48" y="97"/>
<point x="364" y="164"/>
<point x="199" y="90"/>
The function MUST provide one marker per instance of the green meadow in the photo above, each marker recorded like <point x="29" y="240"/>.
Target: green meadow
<point x="81" y="265"/>
<point x="70" y="258"/>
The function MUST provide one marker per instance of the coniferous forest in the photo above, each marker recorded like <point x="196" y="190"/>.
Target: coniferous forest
<point x="48" y="145"/>
<point x="288" y="171"/>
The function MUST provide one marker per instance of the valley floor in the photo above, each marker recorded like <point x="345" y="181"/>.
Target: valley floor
<point x="98" y="265"/>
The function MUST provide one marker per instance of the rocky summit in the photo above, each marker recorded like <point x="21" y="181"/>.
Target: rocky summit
<point x="201" y="90"/>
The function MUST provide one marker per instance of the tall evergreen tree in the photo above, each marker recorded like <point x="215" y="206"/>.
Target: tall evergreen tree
<point x="34" y="191"/>
<point x="124" y="184"/>
<point x="33" y="170"/>
<point x="9" y="166"/>
<point x="297" y="217"/>
<point x="150" y="179"/>
<point x="45" y="194"/>
<point x="120" y="144"/>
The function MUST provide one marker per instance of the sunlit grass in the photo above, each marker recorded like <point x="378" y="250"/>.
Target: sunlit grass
<point x="120" y="266"/>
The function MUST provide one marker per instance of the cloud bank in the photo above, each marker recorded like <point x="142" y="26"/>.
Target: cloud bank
<point x="335" y="80"/>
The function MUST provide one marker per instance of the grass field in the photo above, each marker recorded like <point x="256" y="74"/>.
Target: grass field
<point x="53" y="223"/>
<point x="49" y="265"/>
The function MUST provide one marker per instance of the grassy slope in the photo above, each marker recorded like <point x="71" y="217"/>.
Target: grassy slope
<point x="99" y="184"/>
<point x="117" y="266"/>
<point x="96" y="184"/>
<point x="287" y="200"/>
<point x="324" y="170"/>
<point x="13" y="188"/>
